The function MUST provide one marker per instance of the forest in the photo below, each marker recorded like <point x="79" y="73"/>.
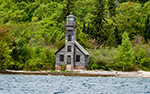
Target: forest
<point x="116" y="33"/>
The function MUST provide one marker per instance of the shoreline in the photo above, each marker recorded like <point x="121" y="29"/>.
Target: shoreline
<point x="84" y="73"/>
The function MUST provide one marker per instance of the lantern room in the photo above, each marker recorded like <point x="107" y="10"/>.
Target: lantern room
<point x="70" y="19"/>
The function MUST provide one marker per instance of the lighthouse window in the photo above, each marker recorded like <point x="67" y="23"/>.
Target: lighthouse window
<point x="69" y="37"/>
<point x="70" y="19"/>
<point x="69" y="30"/>
<point x="61" y="57"/>
<point x="77" y="58"/>
<point x="69" y="48"/>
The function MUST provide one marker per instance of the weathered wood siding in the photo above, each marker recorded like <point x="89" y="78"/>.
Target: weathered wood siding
<point x="61" y="52"/>
<point x="86" y="60"/>
<point x="82" y="57"/>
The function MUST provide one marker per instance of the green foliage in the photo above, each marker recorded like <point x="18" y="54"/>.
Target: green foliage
<point x="45" y="11"/>
<point x="129" y="19"/>
<point x="6" y="40"/>
<point x="123" y="55"/>
<point x="42" y="12"/>
<point x="30" y="9"/>
<point x="81" y="37"/>
<point x="44" y="1"/>
<point x="41" y="59"/>
<point x="94" y="66"/>
<point x="101" y="59"/>
<point x="31" y="31"/>
<point x="146" y="64"/>
<point x="112" y="7"/>
<point x="28" y="1"/>
<point x="5" y="57"/>
<point x="112" y="41"/>
<point x="139" y="54"/>
<point x="51" y="33"/>
<point x="82" y="8"/>
<point x="67" y="8"/>
<point x="98" y="31"/>
<point x="20" y="6"/>
<point x="146" y="33"/>
<point x="141" y="1"/>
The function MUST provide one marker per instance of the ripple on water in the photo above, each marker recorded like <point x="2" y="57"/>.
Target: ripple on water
<point x="36" y="84"/>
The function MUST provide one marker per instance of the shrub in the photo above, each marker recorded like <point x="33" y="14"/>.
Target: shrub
<point x="102" y="57"/>
<point x="63" y="67"/>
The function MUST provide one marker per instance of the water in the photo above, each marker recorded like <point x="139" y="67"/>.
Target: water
<point x="37" y="84"/>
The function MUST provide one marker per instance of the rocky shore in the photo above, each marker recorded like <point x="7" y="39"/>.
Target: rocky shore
<point x="86" y="73"/>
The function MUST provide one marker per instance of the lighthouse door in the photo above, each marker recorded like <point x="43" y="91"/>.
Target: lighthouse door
<point x="68" y="59"/>
<point x="68" y="66"/>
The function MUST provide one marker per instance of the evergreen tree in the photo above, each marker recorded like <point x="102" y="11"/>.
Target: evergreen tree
<point x="116" y="33"/>
<point x="6" y="47"/>
<point x="139" y="54"/>
<point x="123" y="55"/>
<point x="69" y="4"/>
<point x="146" y="33"/>
<point x="112" y="7"/>
<point x="112" y="41"/>
<point x="84" y="29"/>
<point x="142" y="1"/>
<point x="120" y="1"/>
<point x="98" y="32"/>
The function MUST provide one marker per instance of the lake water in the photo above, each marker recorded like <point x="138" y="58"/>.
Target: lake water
<point x="39" y="84"/>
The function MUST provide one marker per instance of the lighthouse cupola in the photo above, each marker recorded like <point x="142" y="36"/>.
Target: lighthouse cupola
<point x="71" y="19"/>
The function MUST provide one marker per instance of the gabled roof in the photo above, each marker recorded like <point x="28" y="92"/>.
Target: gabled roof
<point x="59" y="49"/>
<point x="81" y="48"/>
<point x="78" y="46"/>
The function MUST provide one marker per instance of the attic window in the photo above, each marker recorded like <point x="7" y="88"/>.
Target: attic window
<point x="77" y="58"/>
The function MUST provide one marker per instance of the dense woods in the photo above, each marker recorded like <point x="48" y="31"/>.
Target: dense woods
<point x="116" y="33"/>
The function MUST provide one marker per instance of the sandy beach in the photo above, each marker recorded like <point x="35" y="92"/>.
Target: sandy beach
<point x="120" y="74"/>
<point x="86" y="73"/>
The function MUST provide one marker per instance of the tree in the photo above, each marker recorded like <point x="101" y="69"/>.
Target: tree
<point x="116" y="33"/>
<point x="98" y="31"/>
<point x="142" y="1"/>
<point x="146" y="33"/>
<point x="112" y="7"/>
<point x="112" y="41"/>
<point x="139" y="54"/>
<point x="82" y="8"/>
<point x="123" y="55"/>
<point x="5" y="46"/>
<point x="129" y="19"/>
<point x="30" y="9"/>
<point x="68" y="6"/>
<point x="5" y="52"/>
